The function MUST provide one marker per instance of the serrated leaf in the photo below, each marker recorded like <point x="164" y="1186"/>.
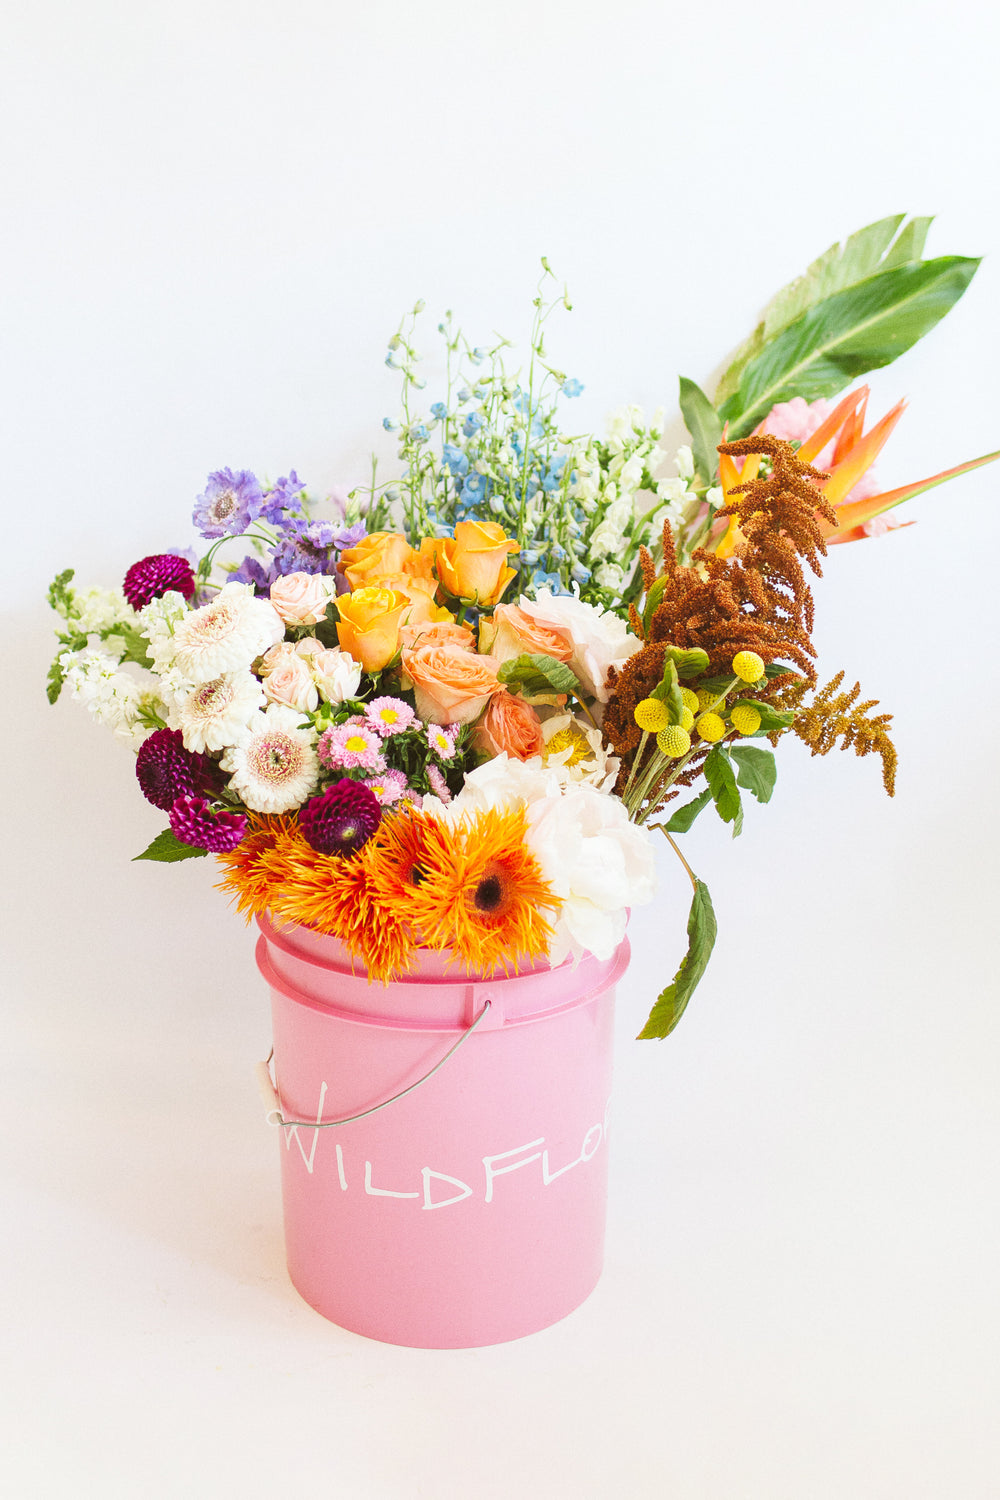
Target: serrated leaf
<point x="757" y="771"/>
<point x="721" y="780"/>
<point x="167" y="848"/>
<point x="537" y="676"/>
<point x="671" y="1004"/>
<point x="704" y="426"/>
<point x="863" y="328"/>
<point x="685" y="816"/>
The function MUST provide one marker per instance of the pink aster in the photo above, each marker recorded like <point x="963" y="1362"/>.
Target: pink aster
<point x="442" y="739"/>
<point x="349" y="747"/>
<point x="390" y="716"/>
<point x="438" y="784"/>
<point x="388" y="786"/>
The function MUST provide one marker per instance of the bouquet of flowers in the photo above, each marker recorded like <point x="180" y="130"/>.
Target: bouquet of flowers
<point x="447" y="711"/>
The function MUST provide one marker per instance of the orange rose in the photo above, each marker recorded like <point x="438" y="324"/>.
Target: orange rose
<point x="511" y="632"/>
<point x="473" y="565"/>
<point x="375" y="558"/>
<point x="369" y="625"/>
<point x="421" y="593"/>
<point x="451" y="686"/>
<point x="445" y="633"/>
<point x="509" y="724"/>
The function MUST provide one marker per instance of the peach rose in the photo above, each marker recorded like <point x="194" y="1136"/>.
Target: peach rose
<point x="421" y="593"/>
<point x="375" y="558"/>
<point x="511" y="632"/>
<point x="473" y="565"/>
<point x="444" y="633"/>
<point x="451" y="686"/>
<point x="369" y="625"/>
<point x="509" y="724"/>
<point x="290" y="681"/>
<point x="301" y="598"/>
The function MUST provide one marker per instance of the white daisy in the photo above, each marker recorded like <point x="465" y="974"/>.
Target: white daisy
<point x="273" y="764"/>
<point x="216" y="713"/>
<point x="226" y="634"/>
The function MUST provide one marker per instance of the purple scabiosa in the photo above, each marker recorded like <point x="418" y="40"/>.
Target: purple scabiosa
<point x="388" y="716"/>
<point x="165" y="770"/>
<point x="193" y="822"/>
<point x="388" y="786"/>
<point x="342" y="819"/>
<point x="153" y="576"/>
<point x="350" y="747"/>
<point x="230" y="504"/>
<point x="442" y="739"/>
<point x="252" y="571"/>
<point x="438" y="784"/>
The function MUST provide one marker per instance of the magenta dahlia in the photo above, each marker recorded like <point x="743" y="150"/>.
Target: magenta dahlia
<point x="193" y="822"/>
<point x="166" y="770"/>
<point x="342" y="818"/>
<point x="153" y="576"/>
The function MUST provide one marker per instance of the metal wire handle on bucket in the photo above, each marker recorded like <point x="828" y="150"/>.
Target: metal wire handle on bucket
<point x="272" y="1103"/>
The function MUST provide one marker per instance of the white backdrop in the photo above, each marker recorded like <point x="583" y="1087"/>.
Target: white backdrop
<point x="216" y="215"/>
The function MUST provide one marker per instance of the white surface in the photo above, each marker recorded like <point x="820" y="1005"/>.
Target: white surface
<point x="219" y="213"/>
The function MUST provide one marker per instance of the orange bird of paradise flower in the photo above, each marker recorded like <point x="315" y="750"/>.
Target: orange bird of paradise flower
<point x="853" y="455"/>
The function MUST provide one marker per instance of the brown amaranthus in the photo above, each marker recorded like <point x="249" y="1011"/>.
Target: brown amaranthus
<point x="836" y="719"/>
<point x="755" y="600"/>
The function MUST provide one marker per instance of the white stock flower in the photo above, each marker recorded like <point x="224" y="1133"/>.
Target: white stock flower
<point x="684" y="459"/>
<point x="226" y="634"/>
<point x="601" y="640"/>
<point x="115" y="698"/>
<point x="274" y="765"/>
<point x="215" y="714"/>
<point x="609" y="576"/>
<point x="101" y="609"/>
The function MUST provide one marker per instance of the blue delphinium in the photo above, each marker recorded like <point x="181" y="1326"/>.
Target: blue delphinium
<point x="572" y="388"/>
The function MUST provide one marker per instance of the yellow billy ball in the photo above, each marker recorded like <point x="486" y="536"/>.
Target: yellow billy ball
<point x="652" y="715"/>
<point x="690" y="700"/>
<point x="745" y="719"/>
<point x="706" y="698"/>
<point x="711" y="728"/>
<point x="748" y="666"/>
<point x="673" y="741"/>
<point x="687" y="717"/>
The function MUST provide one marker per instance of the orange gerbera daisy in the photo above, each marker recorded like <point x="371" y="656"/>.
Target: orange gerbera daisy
<point x="248" y="877"/>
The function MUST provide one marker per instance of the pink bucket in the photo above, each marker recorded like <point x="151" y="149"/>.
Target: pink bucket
<point x="470" y="1208"/>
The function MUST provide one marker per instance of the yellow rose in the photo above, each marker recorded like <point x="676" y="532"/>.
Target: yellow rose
<point x="377" y="557"/>
<point x="473" y="565"/>
<point x="369" y="625"/>
<point x="421" y="593"/>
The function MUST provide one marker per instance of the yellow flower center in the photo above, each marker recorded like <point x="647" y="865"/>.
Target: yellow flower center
<point x="571" y="738"/>
<point x="356" y="744"/>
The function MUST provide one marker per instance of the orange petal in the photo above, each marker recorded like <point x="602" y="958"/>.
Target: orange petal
<point x="850" y="516"/>
<point x="851" y="432"/>
<point x="841" y="413"/>
<point x="845" y="475"/>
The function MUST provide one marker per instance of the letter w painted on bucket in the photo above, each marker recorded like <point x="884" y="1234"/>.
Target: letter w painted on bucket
<point x="292" y="1133"/>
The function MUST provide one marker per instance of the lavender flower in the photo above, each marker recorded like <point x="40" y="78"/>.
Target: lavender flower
<point x="230" y="504"/>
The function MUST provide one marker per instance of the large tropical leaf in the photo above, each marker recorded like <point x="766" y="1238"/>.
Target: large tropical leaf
<point x="843" y="336"/>
<point x="863" y="254"/>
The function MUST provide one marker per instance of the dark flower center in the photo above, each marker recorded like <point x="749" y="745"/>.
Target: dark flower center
<point x="489" y="894"/>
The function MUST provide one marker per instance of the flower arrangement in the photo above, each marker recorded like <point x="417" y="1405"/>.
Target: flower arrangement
<point x="447" y="711"/>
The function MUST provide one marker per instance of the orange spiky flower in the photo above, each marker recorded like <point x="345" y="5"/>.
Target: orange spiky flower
<point x="248" y="878"/>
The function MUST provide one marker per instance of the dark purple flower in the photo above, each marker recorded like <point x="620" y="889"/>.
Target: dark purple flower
<point x="342" y="819"/>
<point x="153" y="576"/>
<point x="165" y="769"/>
<point x="230" y="504"/>
<point x="193" y="822"/>
<point x="252" y="571"/>
<point x="284" y="495"/>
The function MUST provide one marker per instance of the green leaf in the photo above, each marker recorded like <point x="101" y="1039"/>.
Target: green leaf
<point x="668" y="691"/>
<point x="688" y="663"/>
<point x="860" y="329"/>
<point x="704" y="426"/>
<point x="538" y="676"/>
<point x="60" y="596"/>
<point x="757" y="770"/>
<point x="770" y="718"/>
<point x="701" y="928"/>
<point x="910" y="243"/>
<point x="167" y="848"/>
<point x="721" y="780"/>
<point x="685" y="816"/>
<point x="836" y="269"/>
<point x="136" y="644"/>
<point x="55" y="680"/>
<point x="653" y="602"/>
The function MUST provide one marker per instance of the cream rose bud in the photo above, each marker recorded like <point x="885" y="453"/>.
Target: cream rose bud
<point x="302" y="598"/>
<point x="336" y="673"/>
<point x="290" y="681"/>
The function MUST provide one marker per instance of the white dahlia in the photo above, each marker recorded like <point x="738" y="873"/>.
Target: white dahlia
<point x="226" y="634"/>
<point x="216" y="713"/>
<point x="273" y="763"/>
